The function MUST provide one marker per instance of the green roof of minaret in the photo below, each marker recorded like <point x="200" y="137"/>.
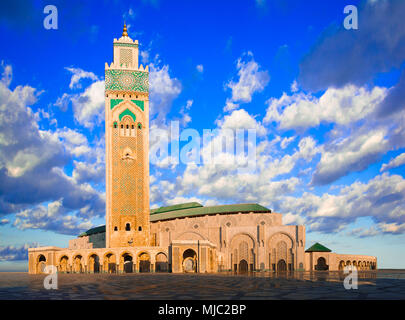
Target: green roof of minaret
<point x="317" y="247"/>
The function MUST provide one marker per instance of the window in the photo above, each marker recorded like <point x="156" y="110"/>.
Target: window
<point x="127" y="227"/>
<point x="127" y="126"/>
<point x="139" y="228"/>
<point x="132" y="126"/>
<point x="115" y="125"/>
<point x="115" y="229"/>
<point x="139" y="126"/>
<point x="122" y="126"/>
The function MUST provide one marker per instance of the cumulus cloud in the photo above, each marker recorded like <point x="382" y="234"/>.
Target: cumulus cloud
<point x="396" y="162"/>
<point x="382" y="198"/>
<point x="16" y="253"/>
<point x="88" y="106"/>
<point x="250" y="80"/>
<point x="79" y="74"/>
<point x="354" y="153"/>
<point x="163" y="91"/>
<point x="200" y="68"/>
<point x="7" y="74"/>
<point x="341" y="106"/>
<point x="32" y="162"/>
<point x="241" y="119"/>
<point x="52" y="217"/>
<point x="218" y="176"/>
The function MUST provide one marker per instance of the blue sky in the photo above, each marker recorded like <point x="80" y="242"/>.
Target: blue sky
<point x="327" y="104"/>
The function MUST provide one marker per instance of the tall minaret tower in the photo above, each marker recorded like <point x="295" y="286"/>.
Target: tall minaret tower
<point x="127" y="147"/>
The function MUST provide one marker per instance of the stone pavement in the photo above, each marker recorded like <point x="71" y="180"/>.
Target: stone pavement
<point x="298" y="285"/>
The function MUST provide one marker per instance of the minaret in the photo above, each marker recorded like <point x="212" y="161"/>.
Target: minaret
<point x="127" y="147"/>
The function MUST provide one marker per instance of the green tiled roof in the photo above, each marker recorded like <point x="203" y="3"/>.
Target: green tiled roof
<point x="192" y="209"/>
<point x="200" y="210"/>
<point x="317" y="247"/>
<point x="176" y="207"/>
<point x="91" y="231"/>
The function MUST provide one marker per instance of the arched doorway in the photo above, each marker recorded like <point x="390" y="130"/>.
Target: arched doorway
<point x="77" y="264"/>
<point x="94" y="263"/>
<point x="128" y="263"/>
<point x="110" y="263"/>
<point x="281" y="266"/>
<point x="321" y="264"/>
<point x="63" y="264"/>
<point x="189" y="261"/>
<point x="161" y="262"/>
<point x="41" y="263"/>
<point x="144" y="262"/>
<point x="243" y="266"/>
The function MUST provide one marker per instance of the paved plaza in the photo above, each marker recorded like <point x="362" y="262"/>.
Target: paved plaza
<point x="259" y="285"/>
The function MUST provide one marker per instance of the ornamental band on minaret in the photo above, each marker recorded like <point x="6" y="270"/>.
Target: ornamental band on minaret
<point x="127" y="145"/>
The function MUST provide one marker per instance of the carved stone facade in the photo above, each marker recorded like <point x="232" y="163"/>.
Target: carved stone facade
<point x="127" y="145"/>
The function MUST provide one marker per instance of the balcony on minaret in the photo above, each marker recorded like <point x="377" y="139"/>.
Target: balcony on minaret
<point x="126" y="54"/>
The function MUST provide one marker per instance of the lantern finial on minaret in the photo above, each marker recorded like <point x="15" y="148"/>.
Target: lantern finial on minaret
<point x="124" y="32"/>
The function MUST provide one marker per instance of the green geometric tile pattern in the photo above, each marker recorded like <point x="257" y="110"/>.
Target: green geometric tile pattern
<point x="139" y="103"/>
<point x="132" y="45"/>
<point x="114" y="102"/>
<point x="127" y="112"/>
<point x="124" y="80"/>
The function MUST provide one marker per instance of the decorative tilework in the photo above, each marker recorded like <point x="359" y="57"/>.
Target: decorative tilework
<point x="114" y="102"/>
<point x="132" y="45"/>
<point x="127" y="112"/>
<point x="139" y="103"/>
<point x="124" y="80"/>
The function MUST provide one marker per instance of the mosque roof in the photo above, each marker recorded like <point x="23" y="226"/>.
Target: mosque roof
<point x="192" y="209"/>
<point x="91" y="231"/>
<point x="317" y="247"/>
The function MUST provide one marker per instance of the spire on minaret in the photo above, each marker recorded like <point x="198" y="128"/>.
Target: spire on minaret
<point x="124" y="32"/>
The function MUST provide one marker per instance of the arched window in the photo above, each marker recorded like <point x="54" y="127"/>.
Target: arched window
<point x="139" y="228"/>
<point x="127" y="227"/>
<point x="139" y="125"/>
<point x="115" y="228"/>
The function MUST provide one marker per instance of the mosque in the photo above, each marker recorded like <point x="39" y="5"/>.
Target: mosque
<point x="186" y="237"/>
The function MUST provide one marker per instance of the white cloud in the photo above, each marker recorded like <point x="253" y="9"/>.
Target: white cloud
<point x="32" y="162"/>
<point x="250" y="80"/>
<point x="79" y="74"/>
<point x="51" y="217"/>
<point x="396" y="162"/>
<point x="294" y="86"/>
<point x="240" y="119"/>
<point x="354" y="153"/>
<point x="286" y="141"/>
<point x="16" y="253"/>
<point x="88" y="106"/>
<point x="341" y="106"/>
<point x="163" y="90"/>
<point x="200" y="68"/>
<point x="7" y="73"/>
<point x="382" y="198"/>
